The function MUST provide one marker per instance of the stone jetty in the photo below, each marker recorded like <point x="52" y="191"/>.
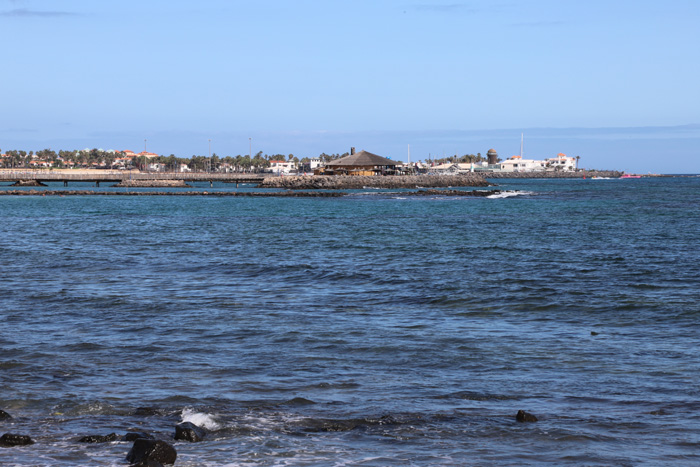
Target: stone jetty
<point x="234" y="194"/>
<point x="221" y="194"/>
<point x="349" y="182"/>
<point x="152" y="184"/>
<point x="579" y="174"/>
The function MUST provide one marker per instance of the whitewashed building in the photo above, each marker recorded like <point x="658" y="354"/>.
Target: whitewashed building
<point x="560" y="163"/>
<point x="518" y="164"/>
<point x="282" y="167"/>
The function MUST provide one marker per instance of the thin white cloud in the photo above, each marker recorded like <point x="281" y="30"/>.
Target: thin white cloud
<point x="27" y="13"/>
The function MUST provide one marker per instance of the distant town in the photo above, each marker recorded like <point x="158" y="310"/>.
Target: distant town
<point x="324" y="164"/>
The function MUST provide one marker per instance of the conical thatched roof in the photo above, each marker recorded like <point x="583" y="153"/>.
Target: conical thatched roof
<point x="361" y="159"/>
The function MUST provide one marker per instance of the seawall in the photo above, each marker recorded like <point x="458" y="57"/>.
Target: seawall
<point x="580" y="174"/>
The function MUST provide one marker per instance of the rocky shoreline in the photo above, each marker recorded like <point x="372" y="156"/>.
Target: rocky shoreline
<point x="580" y="174"/>
<point x="238" y="194"/>
<point x="288" y="194"/>
<point x="148" y="450"/>
<point x="348" y="182"/>
<point x="152" y="184"/>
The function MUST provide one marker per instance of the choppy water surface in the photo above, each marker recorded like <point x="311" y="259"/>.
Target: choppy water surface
<point x="369" y="330"/>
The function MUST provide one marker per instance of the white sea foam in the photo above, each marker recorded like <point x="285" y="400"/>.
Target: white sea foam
<point x="203" y="420"/>
<point x="509" y="194"/>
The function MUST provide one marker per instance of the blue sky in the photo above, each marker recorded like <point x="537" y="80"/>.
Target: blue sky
<point x="613" y="82"/>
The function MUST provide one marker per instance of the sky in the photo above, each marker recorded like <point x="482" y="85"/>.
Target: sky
<point x="614" y="82"/>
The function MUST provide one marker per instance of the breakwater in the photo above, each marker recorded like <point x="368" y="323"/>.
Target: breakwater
<point x="152" y="184"/>
<point x="580" y="174"/>
<point x="244" y="194"/>
<point x="348" y="182"/>
<point x="239" y="194"/>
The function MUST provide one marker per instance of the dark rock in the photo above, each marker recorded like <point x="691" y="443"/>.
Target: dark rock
<point x="146" y="451"/>
<point x="134" y="435"/>
<point x="9" y="440"/>
<point x="99" y="438"/>
<point x="188" y="431"/>
<point x="593" y="333"/>
<point x="5" y="416"/>
<point x="523" y="416"/>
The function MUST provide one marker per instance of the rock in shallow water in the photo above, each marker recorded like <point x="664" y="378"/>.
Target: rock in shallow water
<point x="523" y="416"/>
<point x="146" y="451"/>
<point x="188" y="431"/>
<point x="5" y="416"/>
<point x="9" y="440"/>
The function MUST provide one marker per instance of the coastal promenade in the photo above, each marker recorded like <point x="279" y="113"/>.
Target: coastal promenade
<point x="118" y="176"/>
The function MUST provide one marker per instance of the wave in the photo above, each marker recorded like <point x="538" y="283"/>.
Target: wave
<point x="200" y="419"/>
<point x="510" y="194"/>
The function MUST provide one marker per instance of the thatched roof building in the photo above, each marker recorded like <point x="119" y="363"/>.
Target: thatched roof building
<point x="362" y="163"/>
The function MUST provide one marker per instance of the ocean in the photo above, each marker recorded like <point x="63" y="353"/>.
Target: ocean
<point x="376" y="329"/>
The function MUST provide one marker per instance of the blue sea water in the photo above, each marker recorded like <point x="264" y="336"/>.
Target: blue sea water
<point x="375" y="329"/>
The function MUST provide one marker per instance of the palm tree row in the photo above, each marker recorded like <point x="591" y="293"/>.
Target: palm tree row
<point x="97" y="158"/>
